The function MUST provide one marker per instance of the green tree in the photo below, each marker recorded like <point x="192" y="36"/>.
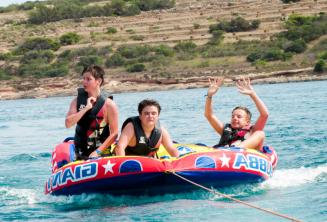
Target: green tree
<point x="69" y="38"/>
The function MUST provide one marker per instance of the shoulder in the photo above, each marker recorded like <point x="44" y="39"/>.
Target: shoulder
<point x="163" y="130"/>
<point x="110" y="104"/>
<point x="128" y="129"/>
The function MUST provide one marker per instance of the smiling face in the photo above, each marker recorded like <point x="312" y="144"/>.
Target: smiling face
<point x="149" y="116"/>
<point x="240" y="119"/>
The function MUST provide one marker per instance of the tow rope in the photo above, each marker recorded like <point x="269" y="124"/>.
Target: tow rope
<point x="236" y="200"/>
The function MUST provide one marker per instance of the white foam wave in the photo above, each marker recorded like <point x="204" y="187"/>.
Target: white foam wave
<point x="13" y="196"/>
<point x="294" y="177"/>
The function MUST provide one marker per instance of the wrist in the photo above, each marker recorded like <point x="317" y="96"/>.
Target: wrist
<point x="208" y="96"/>
<point x="98" y="151"/>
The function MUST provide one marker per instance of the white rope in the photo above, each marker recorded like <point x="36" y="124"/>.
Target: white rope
<point x="236" y="200"/>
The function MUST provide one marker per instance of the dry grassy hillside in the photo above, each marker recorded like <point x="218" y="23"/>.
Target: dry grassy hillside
<point x="165" y="26"/>
<point x="189" y="20"/>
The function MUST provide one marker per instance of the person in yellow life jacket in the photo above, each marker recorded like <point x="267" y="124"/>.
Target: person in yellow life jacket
<point x="95" y="115"/>
<point x="239" y="132"/>
<point x="142" y="135"/>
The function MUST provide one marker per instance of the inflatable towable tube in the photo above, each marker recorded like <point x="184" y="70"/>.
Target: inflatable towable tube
<point x="139" y="175"/>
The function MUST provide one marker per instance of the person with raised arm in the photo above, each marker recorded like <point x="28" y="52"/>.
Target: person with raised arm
<point x="239" y="132"/>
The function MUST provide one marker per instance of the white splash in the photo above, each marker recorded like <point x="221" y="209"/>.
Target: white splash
<point x="294" y="177"/>
<point x="13" y="196"/>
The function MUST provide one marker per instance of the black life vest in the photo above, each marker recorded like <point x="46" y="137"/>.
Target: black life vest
<point x="231" y="135"/>
<point x="91" y="130"/>
<point x="144" y="146"/>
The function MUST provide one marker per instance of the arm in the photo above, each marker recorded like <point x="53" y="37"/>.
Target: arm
<point x="244" y="87"/>
<point x="208" y="111"/>
<point x="111" y="115"/>
<point x="73" y="115"/>
<point x="125" y="138"/>
<point x="168" y="144"/>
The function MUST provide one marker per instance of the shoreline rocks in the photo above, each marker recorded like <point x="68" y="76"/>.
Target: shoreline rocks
<point x="61" y="86"/>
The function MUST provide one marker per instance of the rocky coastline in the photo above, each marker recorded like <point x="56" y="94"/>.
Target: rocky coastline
<point x="63" y="86"/>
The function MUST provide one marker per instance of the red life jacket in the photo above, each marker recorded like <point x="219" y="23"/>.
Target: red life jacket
<point x="91" y="130"/>
<point x="231" y="135"/>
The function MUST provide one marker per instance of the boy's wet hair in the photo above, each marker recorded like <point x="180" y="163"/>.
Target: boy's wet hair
<point x="96" y="71"/>
<point x="247" y="111"/>
<point x="148" y="102"/>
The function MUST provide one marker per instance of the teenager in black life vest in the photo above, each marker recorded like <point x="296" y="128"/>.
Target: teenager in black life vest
<point x="142" y="135"/>
<point x="239" y="132"/>
<point x="96" y="116"/>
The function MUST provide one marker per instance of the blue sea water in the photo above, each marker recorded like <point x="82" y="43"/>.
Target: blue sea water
<point x="297" y="129"/>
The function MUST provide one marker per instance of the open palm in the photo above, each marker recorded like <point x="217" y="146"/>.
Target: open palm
<point x="214" y="85"/>
<point x="244" y="86"/>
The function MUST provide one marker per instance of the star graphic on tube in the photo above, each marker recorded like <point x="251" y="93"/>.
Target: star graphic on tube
<point x="224" y="160"/>
<point x="108" y="167"/>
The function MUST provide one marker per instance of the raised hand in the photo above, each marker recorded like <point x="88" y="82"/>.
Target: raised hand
<point x="90" y="102"/>
<point x="244" y="86"/>
<point x="214" y="85"/>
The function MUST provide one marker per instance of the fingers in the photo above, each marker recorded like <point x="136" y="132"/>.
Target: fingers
<point x="243" y="82"/>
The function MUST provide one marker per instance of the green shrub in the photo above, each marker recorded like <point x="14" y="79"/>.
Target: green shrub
<point x="39" y="70"/>
<point x="132" y="9"/>
<point x="138" y="67"/>
<point x="196" y="26"/>
<point x="85" y="51"/>
<point x="238" y="24"/>
<point x="133" y="51"/>
<point x="273" y="54"/>
<point x="297" y="46"/>
<point x="146" y="5"/>
<point x="74" y="9"/>
<point x="217" y="37"/>
<point x="185" y="46"/>
<point x="44" y="56"/>
<point x="111" y="30"/>
<point x="164" y="50"/>
<point x="289" y="1"/>
<point x="270" y="54"/>
<point x="4" y="75"/>
<point x="38" y="43"/>
<point x="320" y="66"/>
<point x="104" y="51"/>
<point x="307" y="28"/>
<point x="115" y="60"/>
<point x="5" y="56"/>
<point x="137" y="37"/>
<point x="161" y="60"/>
<point x="57" y="69"/>
<point x="69" y="38"/>
<point x="252" y="57"/>
<point x="66" y="55"/>
<point x="323" y="55"/>
<point x="85" y="61"/>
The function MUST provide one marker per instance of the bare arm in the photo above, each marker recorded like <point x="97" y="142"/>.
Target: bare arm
<point x="73" y="115"/>
<point x="125" y="138"/>
<point x="208" y="111"/>
<point x="168" y="144"/>
<point x="111" y="115"/>
<point x="244" y="87"/>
